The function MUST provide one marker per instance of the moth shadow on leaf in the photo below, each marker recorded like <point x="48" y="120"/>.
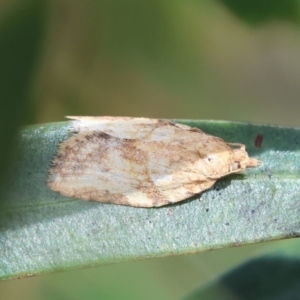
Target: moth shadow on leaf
<point x="218" y="187"/>
<point x="223" y="183"/>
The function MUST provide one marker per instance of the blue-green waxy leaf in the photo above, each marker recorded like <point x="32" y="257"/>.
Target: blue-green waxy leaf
<point x="42" y="231"/>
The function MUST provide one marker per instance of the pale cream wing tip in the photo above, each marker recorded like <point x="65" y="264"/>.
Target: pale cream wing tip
<point x="73" y="117"/>
<point x="81" y="117"/>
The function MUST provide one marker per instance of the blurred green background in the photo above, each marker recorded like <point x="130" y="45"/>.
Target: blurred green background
<point x="226" y="59"/>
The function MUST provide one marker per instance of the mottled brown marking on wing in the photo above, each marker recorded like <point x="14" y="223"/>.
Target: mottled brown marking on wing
<point x="132" y="153"/>
<point x="143" y="162"/>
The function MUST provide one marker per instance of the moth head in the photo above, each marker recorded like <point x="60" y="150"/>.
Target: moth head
<point x="217" y="158"/>
<point x="221" y="159"/>
<point x="241" y="160"/>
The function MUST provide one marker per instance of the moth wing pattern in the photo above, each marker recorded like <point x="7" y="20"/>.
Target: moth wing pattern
<point x="137" y="161"/>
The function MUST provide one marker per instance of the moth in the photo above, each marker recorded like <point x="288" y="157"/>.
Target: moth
<point x="141" y="162"/>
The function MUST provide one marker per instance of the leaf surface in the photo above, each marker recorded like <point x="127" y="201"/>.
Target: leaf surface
<point x="42" y="231"/>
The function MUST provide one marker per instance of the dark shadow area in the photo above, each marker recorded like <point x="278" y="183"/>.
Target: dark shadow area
<point x="269" y="277"/>
<point x="257" y="12"/>
<point x="21" y="35"/>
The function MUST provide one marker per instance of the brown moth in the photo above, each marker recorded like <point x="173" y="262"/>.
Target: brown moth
<point x="141" y="162"/>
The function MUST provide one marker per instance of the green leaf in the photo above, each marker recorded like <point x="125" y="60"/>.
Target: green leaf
<point x="257" y="12"/>
<point x="21" y="33"/>
<point x="42" y="231"/>
<point x="273" y="276"/>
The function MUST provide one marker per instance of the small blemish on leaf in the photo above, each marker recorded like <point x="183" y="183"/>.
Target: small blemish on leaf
<point x="258" y="140"/>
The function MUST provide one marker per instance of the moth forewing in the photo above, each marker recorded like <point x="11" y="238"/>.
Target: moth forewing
<point x="141" y="162"/>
